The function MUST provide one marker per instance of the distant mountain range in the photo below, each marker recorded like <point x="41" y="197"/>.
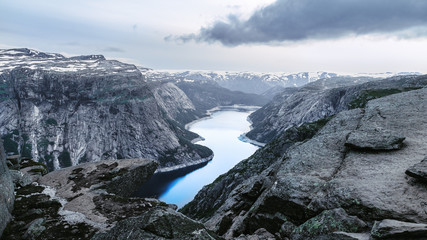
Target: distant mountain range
<point x="252" y="82"/>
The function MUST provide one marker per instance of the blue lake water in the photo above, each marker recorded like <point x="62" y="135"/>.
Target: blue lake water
<point x="221" y="133"/>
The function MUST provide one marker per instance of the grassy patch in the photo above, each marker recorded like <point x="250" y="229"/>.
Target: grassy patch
<point x="367" y="95"/>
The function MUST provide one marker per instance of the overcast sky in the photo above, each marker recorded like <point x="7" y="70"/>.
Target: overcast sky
<point x="348" y="36"/>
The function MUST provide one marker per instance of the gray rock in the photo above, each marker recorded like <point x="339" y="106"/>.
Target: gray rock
<point x="78" y="184"/>
<point x="327" y="222"/>
<point x="348" y="236"/>
<point x="260" y="234"/>
<point x="375" y="139"/>
<point x="418" y="171"/>
<point x="7" y="196"/>
<point x="35" y="229"/>
<point x="157" y="223"/>
<point x="20" y="179"/>
<point x="392" y="229"/>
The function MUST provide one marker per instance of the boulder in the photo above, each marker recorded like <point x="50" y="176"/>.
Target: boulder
<point x="157" y="223"/>
<point x="327" y="222"/>
<point x="418" y="171"/>
<point x="260" y="234"/>
<point x="20" y="179"/>
<point x="392" y="229"/>
<point x="375" y="139"/>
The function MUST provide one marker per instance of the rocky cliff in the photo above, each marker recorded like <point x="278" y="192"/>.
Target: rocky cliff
<point x="322" y="99"/>
<point x="65" y="111"/>
<point x="359" y="176"/>
<point x="7" y="195"/>
<point x="206" y="95"/>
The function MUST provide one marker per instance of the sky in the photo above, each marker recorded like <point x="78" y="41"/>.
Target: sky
<point x="345" y="36"/>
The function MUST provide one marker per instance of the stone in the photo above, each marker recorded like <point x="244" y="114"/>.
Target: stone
<point x="260" y="234"/>
<point x="80" y="185"/>
<point x="157" y="223"/>
<point x="393" y="229"/>
<point x="375" y="139"/>
<point x="327" y="222"/>
<point x="35" y="228"/>
<point x="20" y="179"/>
<point x="418" y="171"/>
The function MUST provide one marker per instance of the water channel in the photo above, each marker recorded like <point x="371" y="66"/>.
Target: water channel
<point x="221" y="133"/>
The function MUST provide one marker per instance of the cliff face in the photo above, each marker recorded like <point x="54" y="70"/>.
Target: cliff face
<point x="206" y="95"/>
<point x="174" y="102"/>
<point x="7" y="195"/>
<point x="66" y="111"/>
<point x="351" y="180"/>
<point x="322" y="99"/>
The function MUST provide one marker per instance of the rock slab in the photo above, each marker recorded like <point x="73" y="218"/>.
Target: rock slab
<point x="392" y="229"/>
<point x="418" y="171"/>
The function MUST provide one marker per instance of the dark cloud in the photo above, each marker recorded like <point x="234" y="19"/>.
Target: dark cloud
<point x="113" y="49"/>
<point x="296" y="20"/>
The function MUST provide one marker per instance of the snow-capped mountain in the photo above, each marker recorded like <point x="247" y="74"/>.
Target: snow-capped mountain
<point x="252" y="82"/>
<point x="249" y="82"/>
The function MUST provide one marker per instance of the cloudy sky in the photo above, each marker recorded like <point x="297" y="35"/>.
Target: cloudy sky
<point x="348" y="36"/>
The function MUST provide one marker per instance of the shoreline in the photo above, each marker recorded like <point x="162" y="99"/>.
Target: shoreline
<point x="209" y="113"/>
<point x="235" y="107"/>
<point x="245" y="139"/>
<point x="184" y="165"/>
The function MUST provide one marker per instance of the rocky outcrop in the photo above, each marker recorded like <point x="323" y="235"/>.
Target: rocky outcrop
<point x="91" y="199"/>
<point x="157" y="223"/>
<point x="317" y="176"/>
<point x="418" y="171"/>
<point x="7" y="195"/>
<point x="66" y="111"/>
<point x="374" y="139"/>
<point x="78" y="184"/>
<point x="328" y="222"/>
<point x="322" y="99"/>
<point x="392" y="229"/>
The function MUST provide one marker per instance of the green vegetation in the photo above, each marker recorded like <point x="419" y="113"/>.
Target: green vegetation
<point x="367" y="95"/>
<point x="64" y="159"/>
<point x="10" y="142"/>
<point x="51" y="121"/>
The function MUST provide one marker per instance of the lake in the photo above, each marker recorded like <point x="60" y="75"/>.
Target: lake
<point x="221" y="133"/>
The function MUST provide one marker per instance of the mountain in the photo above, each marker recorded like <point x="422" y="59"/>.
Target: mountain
<point x="241" y="81"/>
<point x="65" y="111"/>
<point x="358" y="174"/>
<point x="321" y="99"/>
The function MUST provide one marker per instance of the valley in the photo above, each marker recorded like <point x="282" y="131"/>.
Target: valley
<point x="340" y="156"/>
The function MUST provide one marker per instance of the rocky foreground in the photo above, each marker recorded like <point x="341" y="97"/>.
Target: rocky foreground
<point x="88" y="201"/>
<point x="361" y="176"/>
